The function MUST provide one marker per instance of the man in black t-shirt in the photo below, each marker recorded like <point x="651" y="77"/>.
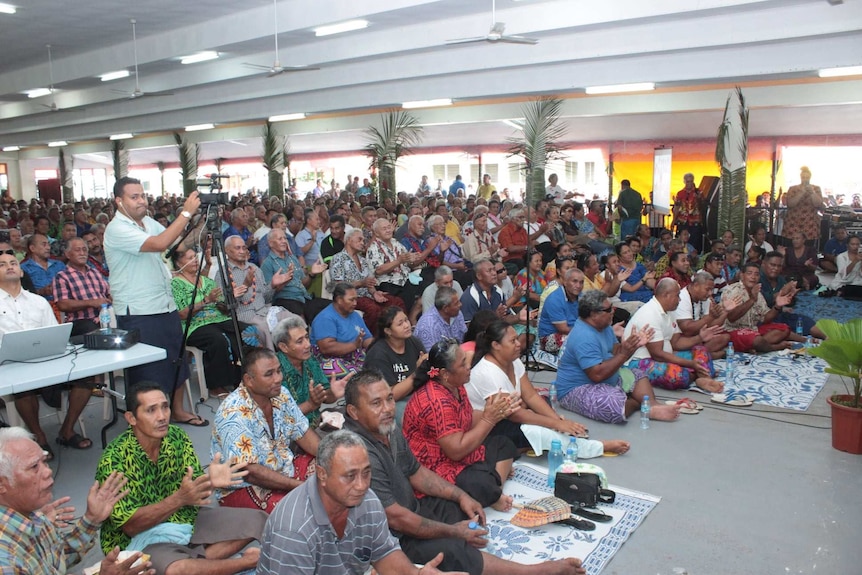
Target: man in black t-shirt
<point x="334" y="242"/>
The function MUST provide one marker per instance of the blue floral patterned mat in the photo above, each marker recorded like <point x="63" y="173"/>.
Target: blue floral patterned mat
<point x="787" y="381"/>
<point x="835" y="308"/>
<point x="555" y="541"/>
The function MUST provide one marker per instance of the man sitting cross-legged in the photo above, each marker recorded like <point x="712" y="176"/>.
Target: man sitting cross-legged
<point x="165" y="514"/>
<point x="256" y="424"/>
<point x="591" y="379"/>
<point x="439" y="521"/>
<point x="696" y="310"/>
<point x="670" y="359"/>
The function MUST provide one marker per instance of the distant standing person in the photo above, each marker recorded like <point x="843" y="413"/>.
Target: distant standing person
<point x="803" y="202"/>
<point x="458" y="184"/>
<point x="631" y="204"/>
<point x="141" y="287"/>
<point x="687" y="214"/>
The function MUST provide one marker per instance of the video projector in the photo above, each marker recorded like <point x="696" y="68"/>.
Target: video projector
<point x="111" y="338"/>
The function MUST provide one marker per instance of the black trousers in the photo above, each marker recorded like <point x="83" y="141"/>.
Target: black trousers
<point x="480" y="480"/>
<point x="221" y="349"/>
<point x="458" y="555"/>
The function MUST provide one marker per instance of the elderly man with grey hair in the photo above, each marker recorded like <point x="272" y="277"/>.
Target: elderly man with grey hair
<point x="397" y="269"/>
<point x="41" y="537"/>
<point x="334" y="524"/>
<point x="696" y="310"/>
<point x="670" y="359"/>
<point x="443" y="277"/>
<point x="239" y="227"/>
<point x="444" y="320"/>
<point x="591" y="377"/>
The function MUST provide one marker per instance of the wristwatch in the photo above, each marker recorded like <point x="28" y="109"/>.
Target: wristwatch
<point x="186" y="214"/>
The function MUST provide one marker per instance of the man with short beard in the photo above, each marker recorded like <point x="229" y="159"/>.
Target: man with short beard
<point x="96" y="257"/>
<point x="39" y="267"/>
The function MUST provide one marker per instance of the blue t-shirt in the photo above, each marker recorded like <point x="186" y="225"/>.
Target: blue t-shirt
<point x="556" y="308"/>
<point x="833" y="247"/>
<point x="330" y="323"/>
<point x="469" y="305"/>
<point x="457" y="185"/>
<point x="643" y="293"/>
<point x="593" y="347"/>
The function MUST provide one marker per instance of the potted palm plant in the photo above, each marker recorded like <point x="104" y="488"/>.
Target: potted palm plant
<point x="842" y="350"/>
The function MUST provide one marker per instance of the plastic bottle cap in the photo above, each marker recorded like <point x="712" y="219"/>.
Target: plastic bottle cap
<point x="473" y="525"/>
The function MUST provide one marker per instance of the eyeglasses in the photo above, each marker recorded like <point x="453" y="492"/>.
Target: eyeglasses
<point x="715" y="258"/>
<point x="501" y="271"/>
<point x="606" y="309"/>
<point x="7" y="252"/>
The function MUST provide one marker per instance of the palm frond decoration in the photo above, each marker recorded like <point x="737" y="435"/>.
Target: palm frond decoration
<point x="161" y="168"/>
<point x="189" y="155"/>
<point x="120" y="158"/>
<point x="398" y="134"/>
<point x="539" y="143"/>
<point x="273" y="159"/>
<point x="65" y="173"/>
<point x="731" y="153"/>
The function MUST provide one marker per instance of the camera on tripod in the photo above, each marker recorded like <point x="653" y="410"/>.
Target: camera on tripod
<point x="212" y="197"/>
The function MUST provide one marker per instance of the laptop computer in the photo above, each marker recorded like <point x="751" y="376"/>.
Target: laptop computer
<point x="38" y="343"/>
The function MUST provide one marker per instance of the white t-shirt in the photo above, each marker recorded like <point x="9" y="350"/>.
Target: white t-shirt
<point x="688" y="310"/>
<point x="486" y="379"/>
<point x="653" y="315"/>
<point x="765" y="245"/>
<point x="558" y="192"/>
<point x="532" y="229"/>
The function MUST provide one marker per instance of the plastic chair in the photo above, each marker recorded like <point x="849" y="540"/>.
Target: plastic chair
<point x="198" y="355"/>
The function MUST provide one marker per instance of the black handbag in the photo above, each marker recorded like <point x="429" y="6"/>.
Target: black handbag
<point x="584" y="490"/>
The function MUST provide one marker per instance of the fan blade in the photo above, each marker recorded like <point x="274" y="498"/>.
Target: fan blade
<point x="467" y="40"/>
<point x="518" y="40"/>
<point x="257" y="66"/>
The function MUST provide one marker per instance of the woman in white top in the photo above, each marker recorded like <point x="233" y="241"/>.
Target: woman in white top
<point x="849" y="265"/>
<point x="497" y="368"/>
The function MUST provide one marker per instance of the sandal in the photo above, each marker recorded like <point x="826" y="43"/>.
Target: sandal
<point x="76" y="441"/>
<point x="686" y="405"/>
<point x="49" y="453"/>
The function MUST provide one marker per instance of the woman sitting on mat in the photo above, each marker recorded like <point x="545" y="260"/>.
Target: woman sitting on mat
<point x="444" y="436"/>
<point x="211" y="330"/>
<point x="640" y="283"/>
<point x="849" y="266"/>
<point x="497" y="368"/>
<point x="800" y="262"/>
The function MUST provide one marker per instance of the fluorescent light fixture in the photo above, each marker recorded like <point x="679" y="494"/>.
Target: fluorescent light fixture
<point x="7" y="9"/>
<point x="58" y="144"/>
<point x="121" y="136"/>
<point x="11" y="148"/>
<point x="348" y="26"/>
<point x="287" y="117"/>
<point x="620" y="88"/>
<point x="427" y="103"/>
<point x="199" y="57"/>
<point x="199" y="127"/>
<point x="836" y="72"/>
<point x="513" y="124"/>
<point x="38" y="92"/>
<point x="114" y="75"/>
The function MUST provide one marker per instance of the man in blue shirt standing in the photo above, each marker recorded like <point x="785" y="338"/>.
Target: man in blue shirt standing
<point x="458" y="184"/>
<point x="560" y="312"/>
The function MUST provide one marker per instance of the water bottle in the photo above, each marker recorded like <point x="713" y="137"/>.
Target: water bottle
<point x="572" y="450"/>
<point x="799" y="327"/>
<point x="555" y="459"/>
<point x="645" y="413"/>
<point x="809" y="341"/>
<point x="552" y="395"/>
<point x="728" y="372"/>
<point x="105" y="317"/>
<point x="489" y="547"/>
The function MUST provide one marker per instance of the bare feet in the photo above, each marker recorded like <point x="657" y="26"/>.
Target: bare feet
<point x="664" y="412"/>
<point x="503" y="504"/>
<point x="709" y="384"/>
<point x="617" y="445"/>
<point x="570" y="566"/>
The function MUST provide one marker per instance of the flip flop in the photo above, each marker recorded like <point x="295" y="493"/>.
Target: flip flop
<point x="686" y="403"/>
<point x="190" y="421"/>
<point x="75" y="442"/>
<point x="732" y="399"/>
<point x="47" y="449"/>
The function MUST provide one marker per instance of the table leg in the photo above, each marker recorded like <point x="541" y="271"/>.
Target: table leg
<point x="114" y="409"/>
<point x="14" y="420"/>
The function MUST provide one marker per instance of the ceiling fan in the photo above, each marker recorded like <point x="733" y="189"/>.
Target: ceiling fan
<point x="276" y="67"/>
<point x="137" y="92"/>
<point x="497" y="33"/>
<point x="53" y="106"/>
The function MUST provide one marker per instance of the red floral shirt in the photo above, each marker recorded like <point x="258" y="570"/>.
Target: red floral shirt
<point x="434" y="412"/>
<point x="687" y="207"/>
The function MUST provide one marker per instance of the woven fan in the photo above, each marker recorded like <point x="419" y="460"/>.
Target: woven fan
<point x="541" y="512"/>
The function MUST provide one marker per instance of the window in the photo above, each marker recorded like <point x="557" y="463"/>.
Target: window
<point x="516" y="172"/>
<point x="474" y="174"/>
<point x="589" y="172"/>
<point x="571" y="172"/>
<point x="445" y="172"/>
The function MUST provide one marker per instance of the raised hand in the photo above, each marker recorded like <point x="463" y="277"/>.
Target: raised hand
<point x="632" y="343"/>
<point x="619" y="330"/>
<point x="498" y="407"/>
<point x="318" y="267"/>
<point x="213" y="296"/>
<point x="316" y="393"/>
<point x="195" y="491"/>
<point x="708" y="332"/>
<point x="732" y="303"/>
<point x="249" y="278"/>
<point x="623" y="274"/>
<point x="227" y="473"/>
<point x="112" y="566"/>
<point x="58" y="512"/>
<point x="783" y="300"/>
<point x="336" y="386"/>
<point x="102" y="498"/>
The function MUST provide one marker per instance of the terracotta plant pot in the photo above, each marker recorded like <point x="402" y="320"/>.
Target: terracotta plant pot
<point x="846" y="426"/>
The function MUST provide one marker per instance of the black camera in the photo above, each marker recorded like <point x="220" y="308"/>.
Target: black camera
<point x="212" y="197"/>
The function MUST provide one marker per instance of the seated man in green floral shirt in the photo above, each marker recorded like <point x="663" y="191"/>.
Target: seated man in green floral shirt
<point x="165" y="514"/>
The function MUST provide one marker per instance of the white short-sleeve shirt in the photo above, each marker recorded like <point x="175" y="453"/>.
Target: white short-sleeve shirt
<point x="486" y="379"/>
<point x="688" y="310"/>
<point x="653" y="315"/>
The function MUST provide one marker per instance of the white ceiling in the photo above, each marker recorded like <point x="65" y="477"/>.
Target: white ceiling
<point x="694" y="51"/>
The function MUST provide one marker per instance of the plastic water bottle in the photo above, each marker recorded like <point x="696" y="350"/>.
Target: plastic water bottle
<point x="489" y="546"/>
<point x="645" y="413"/>
<point x="799" y="327"/>
<point x="728" y="372"/>
<point x="555" y="459"/>
<point x="105" y="317"/>
<point x="809" y="341"/>
<point x="552" y="395"/>
<point x="572" y="450"/>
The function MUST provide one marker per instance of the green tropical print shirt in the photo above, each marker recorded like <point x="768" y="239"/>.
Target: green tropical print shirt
<point x="297" y="383"/>
<point x="149" y="482"/>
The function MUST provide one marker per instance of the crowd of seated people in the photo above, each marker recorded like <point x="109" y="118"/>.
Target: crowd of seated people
<point x="423" y="290"/>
